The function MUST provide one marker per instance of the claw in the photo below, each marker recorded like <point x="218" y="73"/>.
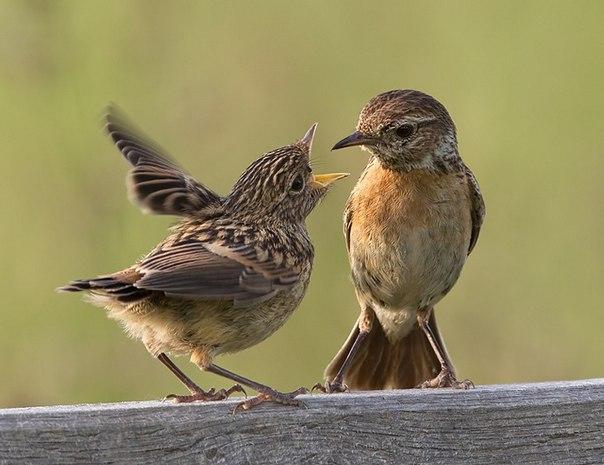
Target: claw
<point x="288" y="398"/>
<point x="330" y="388"/>
<point x="206" y="396"/>
<point x="446" y="379"/>
<point x="318" y="387"/>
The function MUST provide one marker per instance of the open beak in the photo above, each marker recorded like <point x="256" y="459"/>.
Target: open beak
<point x="356" y="138"/>
<point x="324" y="180"/>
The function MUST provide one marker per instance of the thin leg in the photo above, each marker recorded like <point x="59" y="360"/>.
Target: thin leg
<point x="184" y="379"/>
<point x="237" y="378"/>
<point x="266" y="393"/>
<point x="446" y="377"/>
<point x="424" y="324"/>
<point x="197" y="394"/>
<point x="337" y="384"/>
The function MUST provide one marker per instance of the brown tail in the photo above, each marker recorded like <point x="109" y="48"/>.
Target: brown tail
<point x="381" y="365"/>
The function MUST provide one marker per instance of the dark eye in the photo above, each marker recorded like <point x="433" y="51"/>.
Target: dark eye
<point x="405" y="130"/>
<point x="297" y="184"/>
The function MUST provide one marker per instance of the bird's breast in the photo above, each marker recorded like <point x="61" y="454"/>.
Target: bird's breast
<point x="409" y="236"/>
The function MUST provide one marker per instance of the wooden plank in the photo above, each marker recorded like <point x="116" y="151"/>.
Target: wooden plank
<point x="559" y="422"/>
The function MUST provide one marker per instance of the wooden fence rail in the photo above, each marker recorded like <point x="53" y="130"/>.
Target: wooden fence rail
<point x="559" y="422"/>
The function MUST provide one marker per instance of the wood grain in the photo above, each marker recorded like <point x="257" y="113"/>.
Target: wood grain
<point x="559" y="422"/>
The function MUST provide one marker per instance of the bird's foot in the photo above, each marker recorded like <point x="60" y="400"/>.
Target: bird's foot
<point x="206" y="396"/>
<point x="446" y="379"/>
<point x="330" y="387"/>
<point x="270" y="395"/>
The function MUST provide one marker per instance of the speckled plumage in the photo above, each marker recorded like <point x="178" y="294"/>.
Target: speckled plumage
<point x="231" y="271"/>
<point x="410" y="222"/>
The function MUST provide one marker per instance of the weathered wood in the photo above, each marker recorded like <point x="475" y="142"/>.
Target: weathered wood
<point x="561" y="423"/>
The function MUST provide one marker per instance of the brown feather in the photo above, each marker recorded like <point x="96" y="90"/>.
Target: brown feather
<point x="156" y="183"/>
<point x="381" y="364"/>
<point x="477" y="207"/>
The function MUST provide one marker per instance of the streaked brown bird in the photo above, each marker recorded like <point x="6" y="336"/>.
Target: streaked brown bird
<point x="410" y="222"/>
<point x="231" y="271"/>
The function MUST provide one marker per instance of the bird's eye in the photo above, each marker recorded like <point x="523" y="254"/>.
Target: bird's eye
<point x="404" y="131"/>
<point x="297" y="184"/>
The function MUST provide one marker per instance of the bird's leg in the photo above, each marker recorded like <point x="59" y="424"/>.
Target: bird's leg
<point x="196" y="392"/>
<point x="446" y="377"/>
<point x="266" y="394"/>
<point x="184" y="379"/>
<point x="337" y="384"/>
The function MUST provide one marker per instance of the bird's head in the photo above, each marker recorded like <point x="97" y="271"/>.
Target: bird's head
<point x="406" y="130"/>
<point x="280" y="185"/>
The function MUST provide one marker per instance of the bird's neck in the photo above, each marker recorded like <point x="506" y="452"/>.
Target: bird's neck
<point x="426" y="165"/>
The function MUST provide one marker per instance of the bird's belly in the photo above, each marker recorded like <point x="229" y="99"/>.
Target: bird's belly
<point x="254" y="324"/>
<point x="404" y="265"/>
<point x="181" y="326"/>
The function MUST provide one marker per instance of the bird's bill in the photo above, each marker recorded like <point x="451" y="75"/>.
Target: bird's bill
<point x="356" y="138"/>
<point x="309" y="136"/>
<point x="324" y="180"/>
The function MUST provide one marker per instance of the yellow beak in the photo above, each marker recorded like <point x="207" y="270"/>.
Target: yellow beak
<point x="324" y="180"/>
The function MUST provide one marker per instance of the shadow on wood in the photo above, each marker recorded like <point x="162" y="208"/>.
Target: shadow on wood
<point x="560" y="422"/>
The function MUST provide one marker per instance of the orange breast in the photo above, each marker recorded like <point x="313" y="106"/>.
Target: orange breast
<point x="410" y="235"/>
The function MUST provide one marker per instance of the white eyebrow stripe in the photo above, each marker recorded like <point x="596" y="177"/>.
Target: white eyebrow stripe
<point x="417" y="121"/>
<point x="423" y="120"/>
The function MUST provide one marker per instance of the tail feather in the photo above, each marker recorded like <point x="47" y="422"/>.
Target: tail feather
<point x="110" y="286"/>
<point x="379" y="364"/>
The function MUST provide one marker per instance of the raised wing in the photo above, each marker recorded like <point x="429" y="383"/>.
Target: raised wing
<point x="199" y="270"/>
<point x="477" y="205"/>
<point x="155" y="183"/>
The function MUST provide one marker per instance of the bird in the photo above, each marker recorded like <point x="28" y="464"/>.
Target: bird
<point x="409" y="224"/>
<point x="229" y="273"/>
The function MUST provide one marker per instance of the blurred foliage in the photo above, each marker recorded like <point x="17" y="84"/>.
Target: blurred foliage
<point x="219" y="83"/>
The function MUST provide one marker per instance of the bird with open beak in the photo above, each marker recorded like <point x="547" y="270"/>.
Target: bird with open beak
<point x="229" y="274"/>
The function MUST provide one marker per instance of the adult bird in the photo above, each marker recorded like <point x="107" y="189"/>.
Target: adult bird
<point x="410" y="222"/>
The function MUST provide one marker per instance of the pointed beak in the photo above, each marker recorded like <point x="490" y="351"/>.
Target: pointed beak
<point x="309" y="136"/>
<point x="324" y="180"/>
<point x="356" y="138"/>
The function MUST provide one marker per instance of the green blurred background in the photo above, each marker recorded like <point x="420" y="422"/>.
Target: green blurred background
<point x="219" y="83"/>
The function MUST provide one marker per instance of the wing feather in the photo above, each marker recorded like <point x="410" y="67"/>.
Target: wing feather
<point x="347" y="223"/>
<point x="194" y="270"/>
<point x="156" y="183"/>
<point x="477" y="205"/>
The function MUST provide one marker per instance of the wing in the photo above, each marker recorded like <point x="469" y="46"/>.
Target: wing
<point x="155" y="183"/>
<point x="198" y="270"/>
<point x="477" y="205"/>
<point x="347" y="223"/>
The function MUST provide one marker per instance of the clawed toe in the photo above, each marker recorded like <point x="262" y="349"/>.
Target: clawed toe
<point x="465" y="384"/>
<point x="288" y="398"/>
<point x="206" y="396"/>
<point x="446" y="379"/>
<point x="330" y="388"/>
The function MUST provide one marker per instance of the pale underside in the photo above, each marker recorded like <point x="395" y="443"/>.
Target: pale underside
<point x="183" y="326"/>
<point x="408" y="249"/>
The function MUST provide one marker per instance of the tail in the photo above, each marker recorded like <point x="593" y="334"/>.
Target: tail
<point x="109" y="286"/>
<point x="379" y="364"/>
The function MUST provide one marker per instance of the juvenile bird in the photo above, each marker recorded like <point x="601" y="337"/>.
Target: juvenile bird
<point x="231" y="271"/>
<point x="410" y="222"/>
